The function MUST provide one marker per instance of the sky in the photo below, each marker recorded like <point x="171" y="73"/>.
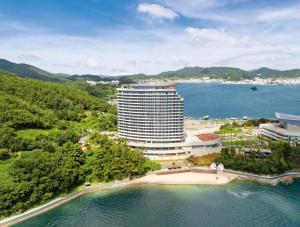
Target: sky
<point x="120" y="37"/>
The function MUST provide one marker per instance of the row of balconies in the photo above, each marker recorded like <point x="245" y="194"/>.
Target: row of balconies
<point x="148" y="93"/>
<point x="153" y="139"/>
<point x="165" y="128"/>
<point x="144" y="110"/>
<point x="174" y="131"/>
<point x="141" y="98"/>
<point x="171" y="131"/>
<point x="135" y="114"/>
<point x="134" y="96"/>
<point x="152" y="121"/>
<point x="151" y="105"/>
<point x="141" y="118"/>
<point x="150" y="102"/>
<point x="149" y="123"/>
<point x="164" y="115"/>
<point x="152" y="124"/>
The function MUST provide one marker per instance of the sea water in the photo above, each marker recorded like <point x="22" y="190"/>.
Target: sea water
<point x="236" y="100"/>
<point x="235" y="204"/>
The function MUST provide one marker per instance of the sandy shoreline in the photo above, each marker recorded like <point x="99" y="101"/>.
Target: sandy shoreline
<point x="185" y="178"/>
<point x="188" y="178"/>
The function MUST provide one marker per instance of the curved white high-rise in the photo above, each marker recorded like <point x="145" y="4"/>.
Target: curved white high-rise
<point x="150" y="117"/>
<point x="150" y="113"/>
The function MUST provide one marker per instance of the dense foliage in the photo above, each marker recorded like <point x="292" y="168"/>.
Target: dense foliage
<point x="257" y="122"/>
<point x="283" y="157"/>
<point x="57" y="165"/>
<point x="113" y="160"/>
<point x="230" y="128"/>
<point x="41" y="124"/>
<point x="65" y="102"/>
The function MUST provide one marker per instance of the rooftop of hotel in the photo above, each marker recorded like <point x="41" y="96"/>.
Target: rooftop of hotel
<point x="150" y="85"/>
<point x="208" y="136"/>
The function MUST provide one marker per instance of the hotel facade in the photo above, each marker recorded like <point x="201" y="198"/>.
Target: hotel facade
<point x="151" y="118"/>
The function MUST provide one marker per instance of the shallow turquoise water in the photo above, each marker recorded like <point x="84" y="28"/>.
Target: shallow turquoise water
<point x="236" y="204"/>
<point x="227" y="100"/>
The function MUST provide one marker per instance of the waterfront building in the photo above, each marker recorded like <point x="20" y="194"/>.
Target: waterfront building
<point x="287" y="129"/>
<point x="150" y="117"/>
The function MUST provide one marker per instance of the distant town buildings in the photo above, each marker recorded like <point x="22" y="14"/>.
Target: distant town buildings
<point x="91" y="82"/>
<point x="150" y="117"/>
<point x="288" y="128"/>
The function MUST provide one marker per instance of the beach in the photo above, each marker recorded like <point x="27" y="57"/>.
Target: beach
<point x="182" y="177"/>
<point x="188" y="178"/>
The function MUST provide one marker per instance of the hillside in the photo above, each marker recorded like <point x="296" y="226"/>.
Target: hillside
<point x="228" y="73"/>
<point x="29" y="71"/>
<point x="267" y="72"/>
<point x="41" y="124"/>
<point x="64" y="101"/>
<point x="212" y="72"/>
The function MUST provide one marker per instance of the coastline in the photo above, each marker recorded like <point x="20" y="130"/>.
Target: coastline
<point x="171" y="178"/>
<point x="282" y="81"/>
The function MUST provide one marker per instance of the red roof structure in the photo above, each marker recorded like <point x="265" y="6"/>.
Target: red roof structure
<point x="208" y="136"/>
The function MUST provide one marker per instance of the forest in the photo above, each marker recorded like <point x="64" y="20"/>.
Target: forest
<point x="40" y="126"/>
<point x="283" y="157"/>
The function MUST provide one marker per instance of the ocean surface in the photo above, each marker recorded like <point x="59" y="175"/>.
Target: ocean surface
<point x="236" y="204"/>
<point x="228" y="100"/>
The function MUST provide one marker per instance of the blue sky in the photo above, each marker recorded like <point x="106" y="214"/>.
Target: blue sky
<point x="131" y="36"/>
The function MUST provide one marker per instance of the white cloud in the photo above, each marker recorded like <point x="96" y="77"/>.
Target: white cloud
<point x="281" y="14"/>
<point x="204" y="9"/>
<point x="91" y="62"/>
<point x="157" y="11"/>
<point x="214" y="35"/>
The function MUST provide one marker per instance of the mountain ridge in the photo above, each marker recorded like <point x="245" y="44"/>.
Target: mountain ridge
<point x="228" y="73"/>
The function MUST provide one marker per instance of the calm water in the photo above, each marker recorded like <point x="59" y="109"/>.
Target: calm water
<point x="236" y="204"/>
<point x="227" y="100"/>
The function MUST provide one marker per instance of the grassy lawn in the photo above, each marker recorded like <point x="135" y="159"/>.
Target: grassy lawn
<point x="229" y="128"/>
<point x="152" y="165"/>
<point x="249" y="142"/>
<point x="32" y="133"/>
<point x="90" y="122"/>
<point x="5" y="166"/>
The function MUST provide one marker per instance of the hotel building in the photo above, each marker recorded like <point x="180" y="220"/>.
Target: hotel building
<point x="150" y="117"/>
<point x="287" y="129"/>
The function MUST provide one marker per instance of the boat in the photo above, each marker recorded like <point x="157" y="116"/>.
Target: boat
<point x="254" y="88"/>
<point x="245" y="118"/>
<point x="206" y="117"/>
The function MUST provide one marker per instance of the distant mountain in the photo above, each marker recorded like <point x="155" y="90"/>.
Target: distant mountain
<point x="228" y="73"/>
<point x="29" y="71"/>
<point x="267" y="72"/>
<point x="90" y="77"/>
<point x="212" y="72"/>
